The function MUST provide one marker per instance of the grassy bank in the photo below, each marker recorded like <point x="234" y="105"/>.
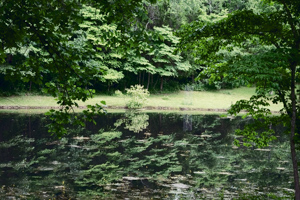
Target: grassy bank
<point x="221" y="99"/>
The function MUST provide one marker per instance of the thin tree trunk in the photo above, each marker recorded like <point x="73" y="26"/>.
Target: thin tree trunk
<point x="125" y="80"/>
<point x="139" y="78"/>
<point x="148" y="81"/>
<point x="155" y="82"/>
<point x="152" y="79"/>
<point x="293" y="128"/>
<point x="143" y="81"/>
<point x="161" y="83"/>
<point x="30" y="86"/>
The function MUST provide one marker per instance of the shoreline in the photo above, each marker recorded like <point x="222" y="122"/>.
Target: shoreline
<point x="146" y="108"/>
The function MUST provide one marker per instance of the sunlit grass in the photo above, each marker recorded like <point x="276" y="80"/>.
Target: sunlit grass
<point x="28" y="100"/>
<point x="221" y="99"/>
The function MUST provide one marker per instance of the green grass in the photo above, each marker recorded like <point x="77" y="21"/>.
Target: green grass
<point x="221" y="99"/>
<point x="28" y="100"/>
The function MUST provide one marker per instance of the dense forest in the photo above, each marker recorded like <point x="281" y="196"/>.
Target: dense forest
<point x="114" y="52"/>
<point x="72" y="49"/>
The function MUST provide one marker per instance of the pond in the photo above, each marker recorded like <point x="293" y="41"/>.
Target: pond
<point x="138" y="156"/>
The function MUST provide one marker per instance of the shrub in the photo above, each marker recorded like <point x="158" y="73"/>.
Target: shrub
<point x="118" y="93"/>
<point x="138" y="96"/>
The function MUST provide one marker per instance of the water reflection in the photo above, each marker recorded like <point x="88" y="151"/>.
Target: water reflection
<point x="133" y="120"/>
<point x="116" y="162"/>
<point x="187" y="123"/>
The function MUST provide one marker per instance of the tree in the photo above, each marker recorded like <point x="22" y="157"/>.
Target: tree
<point x="49" y="36"/>
<point x="157" y="56"/>
<point x="162" y="56"/>
<point x="260" y="46"/>
<point x="105" y="40"/>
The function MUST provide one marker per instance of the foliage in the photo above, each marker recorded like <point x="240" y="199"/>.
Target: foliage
<point x="260" y="46"/>
<point x="138" y="96"/>
<point x="115" y="41"/>
<point x="167" y="63"/>
<point x="156" y="56"/>
<point x="55" y="45"/>
<point x="104" y="39"/>
<point x="118" y="93"/>
<point x="60" y="118"/>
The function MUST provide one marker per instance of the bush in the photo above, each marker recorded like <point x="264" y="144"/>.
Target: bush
<point x="138" y="96"/>
<point x="118" y="93"/>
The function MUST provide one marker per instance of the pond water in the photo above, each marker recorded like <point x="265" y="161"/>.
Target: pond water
<point x="138" y="156"/>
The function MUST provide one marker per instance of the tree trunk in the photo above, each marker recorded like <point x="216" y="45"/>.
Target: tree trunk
<point x="125" y="74"/>
<point x="293" y="128"/>
<point x="143" y="80"/>
<point x="152" y="79"/>
<point x="148" y="81"/>
<point x="139" y="78"/>
<point x="30" y="83"/>
<point x="161" y="83"/>
<point x="155" y="82"/>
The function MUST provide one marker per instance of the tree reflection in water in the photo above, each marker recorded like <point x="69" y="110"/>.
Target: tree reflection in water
<point x="133" y="120"/>
<point x="116" y="162"/>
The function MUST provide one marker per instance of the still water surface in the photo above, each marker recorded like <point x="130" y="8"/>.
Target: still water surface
<point x="138" y="156"/>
